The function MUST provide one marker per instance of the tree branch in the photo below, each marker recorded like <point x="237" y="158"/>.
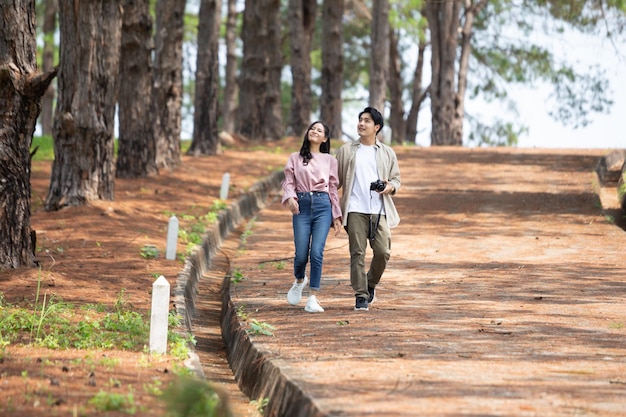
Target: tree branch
<point x="38" y="83"/>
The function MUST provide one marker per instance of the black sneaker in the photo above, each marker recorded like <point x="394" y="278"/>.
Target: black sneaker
<point x="372" y="297"/>
<point x="361" y="304"/>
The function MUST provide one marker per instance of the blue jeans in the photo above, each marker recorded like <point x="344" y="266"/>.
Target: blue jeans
<point x="310" y="230"/>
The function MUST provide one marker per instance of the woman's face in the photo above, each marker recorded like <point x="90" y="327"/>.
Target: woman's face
<point x="316" y="134"/>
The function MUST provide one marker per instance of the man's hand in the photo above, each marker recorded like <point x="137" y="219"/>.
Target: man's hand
<point x="389" y="188"/>
<point x="337" y="225"/>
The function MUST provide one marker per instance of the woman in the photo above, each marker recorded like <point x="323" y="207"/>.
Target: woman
<point x="310" y="193"/>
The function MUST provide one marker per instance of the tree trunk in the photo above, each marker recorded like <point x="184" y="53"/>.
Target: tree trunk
<point x="443" y="21"/>
<point x="205" y="132"/>
<point x="167" y="92"/>
<point x="417" y="95"/>
<point x="396" y="115"/>
<point x="83" y="167"/>
<point x="447" y="100"/>
<point x="259" y="115"/>
<point x="332" y="65"/>
<point x="229" y="105"/>
<point x="379" y="57"/>
<point x="49" y="28"/>
<point x="136" y="156"/>
<point x="302" y="14"/>
<point x="21" y="89"/>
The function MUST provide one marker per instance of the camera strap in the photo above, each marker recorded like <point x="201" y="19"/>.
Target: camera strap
<point x="375" y="222"/>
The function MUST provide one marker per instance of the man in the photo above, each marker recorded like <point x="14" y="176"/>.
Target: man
<point x="368" y="176"/>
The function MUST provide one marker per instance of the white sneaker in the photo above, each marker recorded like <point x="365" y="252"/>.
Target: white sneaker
<point x="295" y="293"/>
<point x="313" y="306"/>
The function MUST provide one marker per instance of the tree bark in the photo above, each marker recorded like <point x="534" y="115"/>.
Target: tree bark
<point x="417" y="95"/>
<point x="302" y="14"/>
<point x="167" y="93"/>
<point x="448" y="98"/>
<point x="83" y="167"/>
<point x="396" y="114"/>
<point x="205" y="139"/>
<point x="379" y="58"/>
<point x="332" y="65"/>
<point x="259" y="116"/>
<point x="21" y="89"/>
<point x="443" y="21"/>
<point x="229" y="105"/>
<point x="49" y="47"/>
<point x="136" y="156"/>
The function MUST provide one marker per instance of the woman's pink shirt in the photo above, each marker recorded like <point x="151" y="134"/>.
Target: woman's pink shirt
<point x="320" y="174"/>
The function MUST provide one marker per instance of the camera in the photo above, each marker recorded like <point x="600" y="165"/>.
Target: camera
<point x="378" y="185"/>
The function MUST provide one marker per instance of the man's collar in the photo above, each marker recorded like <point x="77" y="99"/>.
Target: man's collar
<point x="358" y="143"/>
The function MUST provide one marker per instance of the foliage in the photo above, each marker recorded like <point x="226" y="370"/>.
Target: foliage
<point x="513" y="43"/>
<point x="43" y="148"/>
<point x="149" y="252"/>
<point x="111" y="401"/>
<point x="505" y="49"/>
<point x="194" y="225"/>
<point x="52" y="323"/>
<point x="190" y="397"/>
<point x="260" y="328"/>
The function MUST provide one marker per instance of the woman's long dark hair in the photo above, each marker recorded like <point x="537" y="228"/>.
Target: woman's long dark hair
<point x="305" y="150"/>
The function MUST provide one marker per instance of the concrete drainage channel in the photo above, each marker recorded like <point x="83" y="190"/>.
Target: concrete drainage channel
<point x="255" y="376"/>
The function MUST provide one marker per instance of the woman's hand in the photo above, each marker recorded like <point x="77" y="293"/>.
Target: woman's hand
<point x="294" y="207"/>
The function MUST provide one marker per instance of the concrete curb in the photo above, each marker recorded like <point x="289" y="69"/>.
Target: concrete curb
<point x="256" y="376"/>
<point x="200" y="261"/>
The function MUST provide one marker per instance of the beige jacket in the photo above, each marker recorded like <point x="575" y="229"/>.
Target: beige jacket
<point x="388" y="169"/>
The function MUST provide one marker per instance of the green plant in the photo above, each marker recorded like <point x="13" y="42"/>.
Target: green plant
<point x="52" y="324"/>
<point x="149" y="252"/>
<point x="219" y="205"/>
<point x="110" y="401"/>
<point x="247" y="233"/>
<point x="241" y="313"/>
<point x="153" y="388"/>
<point x="257" y="328"/>
<point x="236" y="276"/>
<point x="260" y="404"/>
<point x="190" y="397"/>
<point x="179" y="343"/>
<point x="3" y="345"/>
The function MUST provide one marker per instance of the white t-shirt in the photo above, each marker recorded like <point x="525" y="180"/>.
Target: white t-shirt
<point x="362" y="199"/>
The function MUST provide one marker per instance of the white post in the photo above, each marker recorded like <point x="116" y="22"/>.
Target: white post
<point x="159" y="315"/>
<point x="172" y="239"/>
<point x="224" y="189"/>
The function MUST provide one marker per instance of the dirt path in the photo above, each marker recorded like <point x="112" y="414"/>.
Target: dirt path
<point x="504" y="296"/>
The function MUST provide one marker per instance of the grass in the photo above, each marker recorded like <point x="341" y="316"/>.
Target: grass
<point x="193" y="226"/>
<point x="44" y="147"/>
<point x="54" y="324"/>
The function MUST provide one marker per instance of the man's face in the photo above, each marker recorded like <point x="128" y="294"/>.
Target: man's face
<point x="366" y="126"/>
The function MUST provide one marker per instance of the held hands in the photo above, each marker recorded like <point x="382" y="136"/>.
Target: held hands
<point x="293" y="205"/>
<point x="337" y="225"/>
